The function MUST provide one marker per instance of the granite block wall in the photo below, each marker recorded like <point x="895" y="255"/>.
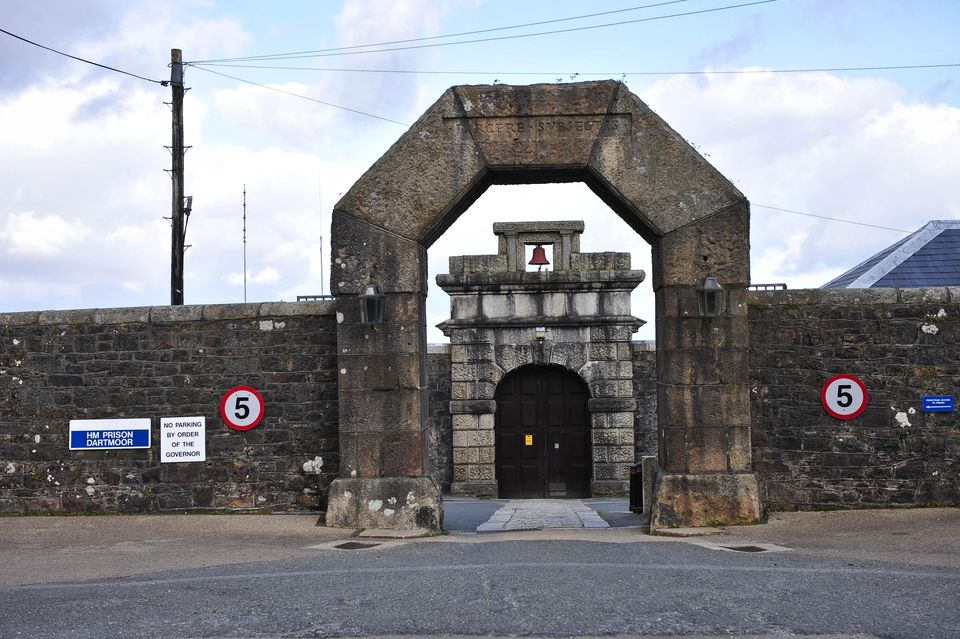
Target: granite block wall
<point x="903" y="344"/>
<point x="165" y="362"/>
<point x="440" y="432"/>
<point x="168" y="362"/>
<point x="645" y="392"/>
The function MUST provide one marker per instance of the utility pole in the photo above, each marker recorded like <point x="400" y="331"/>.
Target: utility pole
<point x="176" y="174"/>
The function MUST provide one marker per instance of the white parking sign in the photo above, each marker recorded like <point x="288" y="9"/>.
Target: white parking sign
<point x="241" y="408"/>
<point x="844" y="396"/>
<point x="182" y="439"/>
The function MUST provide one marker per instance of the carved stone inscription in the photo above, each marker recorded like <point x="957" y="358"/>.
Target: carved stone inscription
<point x="549" y="127"/>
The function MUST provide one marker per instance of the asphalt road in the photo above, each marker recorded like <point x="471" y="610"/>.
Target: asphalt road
<point x="279" y="576"/>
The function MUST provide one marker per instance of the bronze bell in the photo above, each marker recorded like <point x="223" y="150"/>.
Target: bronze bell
<point x="539" y="258"/>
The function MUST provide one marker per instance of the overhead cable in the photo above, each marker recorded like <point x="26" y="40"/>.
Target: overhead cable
<point x="824" y="217"/>
<point x="450" y="35"/>
<point x="893" y="67"/>
<point x="96" y="64"/>
<point x="497" y="38"/>
<point x="303" y="97"/>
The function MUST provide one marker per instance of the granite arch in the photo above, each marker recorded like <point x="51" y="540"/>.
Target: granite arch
<point x="599" y="133"/>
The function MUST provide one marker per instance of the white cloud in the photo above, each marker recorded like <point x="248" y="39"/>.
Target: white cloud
<point x="853" y="148"/>
<point x="28" y="235"/>
<point x="267" y="275"/>
<point x="296" y="122"/>
<point x="362" y="22"/>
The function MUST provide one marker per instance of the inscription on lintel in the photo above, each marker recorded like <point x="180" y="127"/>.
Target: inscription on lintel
<point x="532" y="127"/>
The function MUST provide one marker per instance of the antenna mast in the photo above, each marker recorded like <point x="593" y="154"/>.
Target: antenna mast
<point x="320" y="197"/>
<point x="244" y="243"/>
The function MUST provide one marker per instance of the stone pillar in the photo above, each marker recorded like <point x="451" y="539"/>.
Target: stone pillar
<point x="703" y="403"/>
<point x="381" y="372"/>
<point x="611" y="424"/>
<point x="473" y="377"/>
<point x="474" y="472"/>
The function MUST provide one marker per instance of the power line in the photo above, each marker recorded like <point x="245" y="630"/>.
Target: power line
<point x="452" y="35"/>
<point x="303" y="97"/>
<point x="498" y="38"/>
<point x="896" y="67"/>
<point x="824" y="217"/>
<point x="96" y="64"/>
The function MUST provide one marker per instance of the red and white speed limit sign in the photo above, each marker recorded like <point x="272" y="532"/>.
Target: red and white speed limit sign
<point x="844" y="396"/>
<point x="241" y="408"/>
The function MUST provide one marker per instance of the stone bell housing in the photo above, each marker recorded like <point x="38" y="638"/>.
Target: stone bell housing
<point x="504" y="319"/>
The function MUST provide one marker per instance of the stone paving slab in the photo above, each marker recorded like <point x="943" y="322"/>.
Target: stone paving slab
<point x="541" y="514"/>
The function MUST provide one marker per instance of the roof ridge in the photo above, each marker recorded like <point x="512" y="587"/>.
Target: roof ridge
<point x="908" y="246"/>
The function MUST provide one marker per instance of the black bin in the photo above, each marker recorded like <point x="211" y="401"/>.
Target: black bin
<point x="636" y="488"/>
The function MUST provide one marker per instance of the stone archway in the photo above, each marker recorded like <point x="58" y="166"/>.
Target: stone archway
<point x="603" y="135"/>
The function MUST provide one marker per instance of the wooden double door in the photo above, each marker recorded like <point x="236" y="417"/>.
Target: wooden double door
<point x="543" y="434"/>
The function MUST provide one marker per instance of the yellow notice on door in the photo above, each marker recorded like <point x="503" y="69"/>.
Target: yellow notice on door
<point x="528" y="440"/>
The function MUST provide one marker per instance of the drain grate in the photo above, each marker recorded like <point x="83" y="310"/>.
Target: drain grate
<point x="355" y="545"/>
<point x="741" y="546"/>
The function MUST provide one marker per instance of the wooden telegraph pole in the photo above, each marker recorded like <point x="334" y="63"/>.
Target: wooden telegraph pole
<point x="177" y="222"/>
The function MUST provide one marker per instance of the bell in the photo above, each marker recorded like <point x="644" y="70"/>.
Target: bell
<point x="539" y="258"/>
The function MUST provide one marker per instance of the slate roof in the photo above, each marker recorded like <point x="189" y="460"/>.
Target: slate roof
<point x="928" y="257"/>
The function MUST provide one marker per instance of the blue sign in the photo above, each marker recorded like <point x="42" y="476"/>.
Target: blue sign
<point x="938" y="404"/>
<point x="109" y="434"/>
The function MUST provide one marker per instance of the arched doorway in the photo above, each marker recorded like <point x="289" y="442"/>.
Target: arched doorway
<point x="542" y="434"/>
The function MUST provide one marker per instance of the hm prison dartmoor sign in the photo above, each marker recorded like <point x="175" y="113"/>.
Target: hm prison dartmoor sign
<point x="109" y="434"/>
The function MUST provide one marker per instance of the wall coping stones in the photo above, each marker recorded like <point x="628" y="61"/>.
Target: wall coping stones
<point x="293" y="309"/>
<point x="131" y="315"/>
<point x="48" y="318"/>
<point x="192" y="313"/>
<point x="148" y="314"/>
<point x="815" y="296"/>
<point x="569" y="226"/>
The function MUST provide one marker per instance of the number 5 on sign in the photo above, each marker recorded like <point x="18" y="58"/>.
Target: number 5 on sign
<point x="241" y="408"/>
<point x="844" y="396"/>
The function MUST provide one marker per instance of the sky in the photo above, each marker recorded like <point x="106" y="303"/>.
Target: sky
<point x="83" y="192"/>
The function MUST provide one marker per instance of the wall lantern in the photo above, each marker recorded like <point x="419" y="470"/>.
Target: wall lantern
<point x="540" y="333"/>
<point x="710" y="297"/>
<point x="371" y="305"/>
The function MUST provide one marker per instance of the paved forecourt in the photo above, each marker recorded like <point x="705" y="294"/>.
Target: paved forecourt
<point x="538" y="514"/>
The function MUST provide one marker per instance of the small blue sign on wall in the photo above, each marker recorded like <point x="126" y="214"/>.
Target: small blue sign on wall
<point x="938" y="404"/>
<point x="109" y="434"/>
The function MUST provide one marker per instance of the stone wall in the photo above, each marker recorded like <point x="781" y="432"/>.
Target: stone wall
<point x="440" y="432"/>
<point x="645" y="392"/>
<point x="903" y="344"/>
<point x="167" y="362"/>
